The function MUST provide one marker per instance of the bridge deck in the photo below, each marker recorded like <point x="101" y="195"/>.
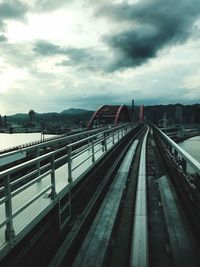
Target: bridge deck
<point x="139" y="249"/>
<point x="93" y="249"/>
<point x="27" y="219"/>
<point x="181" y="240"/>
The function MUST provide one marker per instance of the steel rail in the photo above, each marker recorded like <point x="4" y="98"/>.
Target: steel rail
<point x="139" y="249"/>
<point x="71" y="242"/>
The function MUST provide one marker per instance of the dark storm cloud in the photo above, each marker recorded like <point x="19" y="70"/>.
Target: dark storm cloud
<point x="145" y="28"/>
<point x="152" y="26"/>
<point x="85" y="58"/>
<point x="11" y="10"/>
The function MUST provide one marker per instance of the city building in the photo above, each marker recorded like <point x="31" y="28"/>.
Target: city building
<point x="141" y="114"/>
<point x="32" y="116"/>
<point x="197" y="115"/>
<point x="178" y="114"/>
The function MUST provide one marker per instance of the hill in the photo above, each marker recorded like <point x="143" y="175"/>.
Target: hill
<point x="75" y="111"/>
<point x="67" y="117"/>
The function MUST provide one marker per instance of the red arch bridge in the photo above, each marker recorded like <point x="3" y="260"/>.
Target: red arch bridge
<point x="108" y="114"/>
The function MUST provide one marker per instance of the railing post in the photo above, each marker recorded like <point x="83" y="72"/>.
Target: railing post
<point x="70" y="180"/>
<point x="184" y="165"/>
<point x="93" y="157"/>
<point x="105" y="141"/>
<point x="69" y="140"/>
<point x="170" y="148"/>
<point x="9" y="232"/>
<point x="88" y="141"/>
<point x="113" y="138"/>
<point x="53" y="184"/>
<point x="118" y="134"/>
<point x="69" y="160"/>
<point x="38" y="162"/>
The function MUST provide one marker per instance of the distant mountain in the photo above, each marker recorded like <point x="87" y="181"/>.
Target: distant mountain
<point x="70" y="111"/>
<point x="67" y="117"/>
<point x="75" y="111"/>
<point x="19" y="116"/>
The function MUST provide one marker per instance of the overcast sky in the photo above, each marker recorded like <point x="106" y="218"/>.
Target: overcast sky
<point x="59" y="54"/>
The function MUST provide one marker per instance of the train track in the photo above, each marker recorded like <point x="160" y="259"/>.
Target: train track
<point x="124" y="213"/>
<point x="170" y="232"/>
<point x="135" y="224"/>
<point x="89" y="188"/>
<point x="104" y="222"/>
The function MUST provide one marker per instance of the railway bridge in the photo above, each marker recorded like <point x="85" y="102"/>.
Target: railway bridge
<point x="118" y="195"/>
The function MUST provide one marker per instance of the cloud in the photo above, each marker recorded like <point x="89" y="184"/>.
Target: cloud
<point x="49" y="5"/>
<point x="3" y="38"/>
<point x="71" y="58"/>
<point x="150" y="26"/>
<point x="11" y="10"/>
<point x="141" y="31"/>
<point x="48" y="49"/>
<point x="84" y="58"/>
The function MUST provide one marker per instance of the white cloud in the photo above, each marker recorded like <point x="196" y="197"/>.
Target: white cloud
<point x="192" y="82"/>
<point x="9" y="76"/>
<point x="72" y="26"/>
<point x="42" y="82"/>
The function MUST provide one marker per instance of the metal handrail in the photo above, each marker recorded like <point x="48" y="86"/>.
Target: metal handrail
<point x="49" y="154"/>
<point x="79" y="151"/>
<point x="49" y="142"/>
<point x="25" y="164"/>
<point x="24" y="177"/>
<point x="90" y="138"/>
<point x="27" y="185"/>
<point x="81" y="163"/>
<point x="186" y="156"/>
<point x="31" y="201"/>
<point x="93" y="136"/>
<point x="9" y="194"/>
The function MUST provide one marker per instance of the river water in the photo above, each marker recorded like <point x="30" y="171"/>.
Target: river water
<point x="192" y="146"/>
<point x="11" y="140"/>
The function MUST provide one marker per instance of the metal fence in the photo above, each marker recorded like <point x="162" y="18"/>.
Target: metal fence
<point x="32" y="173"/>
<point x="186" y="161"/>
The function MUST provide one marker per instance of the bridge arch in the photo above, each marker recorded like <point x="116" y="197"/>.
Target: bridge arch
<point x="108" y="114"/>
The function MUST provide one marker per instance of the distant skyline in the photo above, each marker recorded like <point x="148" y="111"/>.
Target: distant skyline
<point x="62" y="54"/>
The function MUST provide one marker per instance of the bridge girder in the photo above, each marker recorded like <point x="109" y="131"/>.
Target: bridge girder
<point x="108" y="114"/>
